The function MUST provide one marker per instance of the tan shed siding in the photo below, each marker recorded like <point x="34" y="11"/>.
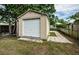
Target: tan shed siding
<point x="43" y="27"/>
<point x="20" y="27"/>
<point x="47" y="23"/>
<point x="47" y="26"/>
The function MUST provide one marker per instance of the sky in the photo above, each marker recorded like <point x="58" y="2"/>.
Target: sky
<point x="63" y="11"/>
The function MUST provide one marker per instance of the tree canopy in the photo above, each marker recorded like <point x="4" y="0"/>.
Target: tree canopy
<point x="75" y="16"/>
<point x="14" y="10"/>
<point x="62" y="23"/>
<point x="17" y="9"/>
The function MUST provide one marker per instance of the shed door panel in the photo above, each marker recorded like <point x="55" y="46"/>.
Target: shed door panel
<point x="31" y="28"/>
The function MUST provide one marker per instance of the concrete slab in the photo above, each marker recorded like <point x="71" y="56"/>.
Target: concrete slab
<point x="58" y="38"/>
<point x="33" y="40"/>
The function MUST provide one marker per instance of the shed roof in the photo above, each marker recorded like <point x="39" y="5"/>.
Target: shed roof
<point x="32" y="11"/>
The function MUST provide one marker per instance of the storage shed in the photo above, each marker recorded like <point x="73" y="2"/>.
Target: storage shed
<point x="33" y="24"/>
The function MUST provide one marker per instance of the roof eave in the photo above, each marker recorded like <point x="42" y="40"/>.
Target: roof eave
<point x="32" y="11"/>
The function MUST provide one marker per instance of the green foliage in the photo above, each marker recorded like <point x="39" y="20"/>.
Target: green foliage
<point x="63" y="23"/>
<point x="76" y="16"/>
<point x="76" y="22"/>
<point x="52" y="34"/>
<point x="14" y="10"/>
<point x="52" y="22"/>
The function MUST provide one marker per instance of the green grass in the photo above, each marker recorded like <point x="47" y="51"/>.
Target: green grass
<point x="12" y="46"/>
<point x="52" y="34"/>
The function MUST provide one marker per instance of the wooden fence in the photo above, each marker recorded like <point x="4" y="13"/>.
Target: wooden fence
<point x="71" y="32"/>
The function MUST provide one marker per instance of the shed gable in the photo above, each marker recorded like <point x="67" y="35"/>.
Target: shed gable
<point x="29" y="15"/>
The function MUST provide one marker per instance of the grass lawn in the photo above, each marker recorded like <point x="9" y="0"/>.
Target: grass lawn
<point x="12" y="46"/>
<point x="52" y="34"/>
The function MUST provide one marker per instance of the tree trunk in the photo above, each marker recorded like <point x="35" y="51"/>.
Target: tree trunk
<point x="14" y="28"/>
<point x="10" y="25"/>
<point x="0" y="29"/>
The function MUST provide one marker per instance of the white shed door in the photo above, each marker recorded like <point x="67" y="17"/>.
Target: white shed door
<point x="31" y="28"/>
